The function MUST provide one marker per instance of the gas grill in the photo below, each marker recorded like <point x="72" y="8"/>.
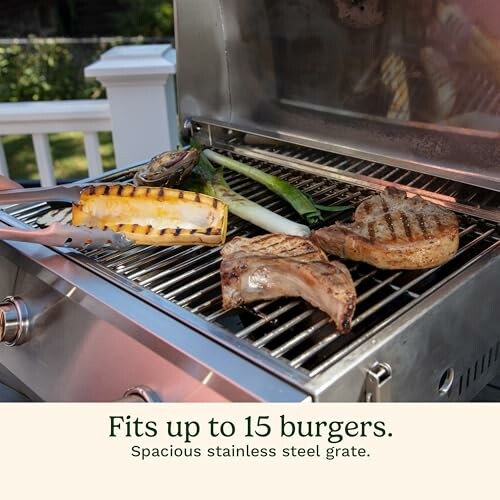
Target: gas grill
<point x="147" y="323"/>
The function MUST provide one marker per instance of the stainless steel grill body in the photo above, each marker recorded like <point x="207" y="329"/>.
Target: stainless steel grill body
<point x="102" y="321"/>
<point x="424" y="325"/>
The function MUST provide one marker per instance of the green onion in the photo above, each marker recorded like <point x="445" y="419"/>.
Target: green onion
<point x="208" y="180"/>
<point x="301" y="202"/>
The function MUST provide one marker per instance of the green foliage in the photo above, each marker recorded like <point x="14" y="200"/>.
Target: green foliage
<point x="44" y="71"/>
<point x="151" y="18"/>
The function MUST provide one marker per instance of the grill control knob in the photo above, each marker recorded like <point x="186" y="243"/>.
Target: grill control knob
<point x="14" y="321"/>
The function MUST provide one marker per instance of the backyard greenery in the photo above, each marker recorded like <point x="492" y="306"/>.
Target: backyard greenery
<point x="67" y="154"/>
<point x="47" y="70"/>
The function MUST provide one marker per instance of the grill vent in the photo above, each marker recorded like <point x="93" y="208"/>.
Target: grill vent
<point x="478" y="375"/>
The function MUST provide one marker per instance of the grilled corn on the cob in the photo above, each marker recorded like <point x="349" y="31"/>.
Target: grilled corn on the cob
<point x="153" y="216"/>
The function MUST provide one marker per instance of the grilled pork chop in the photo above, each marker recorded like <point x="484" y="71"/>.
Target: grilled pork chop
<point x="272" y="266"/>
<point x="391" y="231"/>
<point x="276" y="245"/>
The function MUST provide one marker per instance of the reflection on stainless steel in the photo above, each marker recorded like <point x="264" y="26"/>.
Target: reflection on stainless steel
<point x="68" y="236"/>
<point x="140" y="394"/>
<point x="418" y="89"/>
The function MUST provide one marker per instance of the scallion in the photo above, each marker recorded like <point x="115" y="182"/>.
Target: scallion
<point x="208" y="180"/>
<point x="301" y="202"/>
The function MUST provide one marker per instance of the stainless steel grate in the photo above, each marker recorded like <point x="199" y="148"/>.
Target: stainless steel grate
<point x="288" y="331"/>
<point x="457" y="192"/>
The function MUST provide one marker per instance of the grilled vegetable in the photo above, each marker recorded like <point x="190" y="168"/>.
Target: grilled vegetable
<point x="167" y="169"/>
<point x="206" y="179"/>
<point x="153" y="216"/>
<point x="301" y="202"/>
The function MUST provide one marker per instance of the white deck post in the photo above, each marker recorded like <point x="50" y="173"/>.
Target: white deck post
<point x="44" y="159"/>
<point x="91" y="145"/>
<point x="139" y="81"/>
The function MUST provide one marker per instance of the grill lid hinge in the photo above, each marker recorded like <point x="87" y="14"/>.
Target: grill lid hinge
<point x="378" y="383"/>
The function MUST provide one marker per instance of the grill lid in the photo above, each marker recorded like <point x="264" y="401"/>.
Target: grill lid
<point x="412" y="84"/>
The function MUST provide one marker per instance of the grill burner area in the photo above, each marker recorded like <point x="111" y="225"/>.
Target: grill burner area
<point x="291" y="332"/>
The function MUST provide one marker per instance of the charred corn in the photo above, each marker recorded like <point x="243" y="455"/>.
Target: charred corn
<point x="153" y="216"/>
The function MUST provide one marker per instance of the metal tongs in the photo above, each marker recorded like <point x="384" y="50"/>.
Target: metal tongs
<point x="57" y="235"/>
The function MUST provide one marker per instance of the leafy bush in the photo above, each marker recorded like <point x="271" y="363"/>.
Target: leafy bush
<point x="45" y="71"/>
<point x="152" y="18"/>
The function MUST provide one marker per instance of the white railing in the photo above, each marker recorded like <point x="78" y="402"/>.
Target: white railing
<point x="39" y="119"/>
<point x="140" y="111"/>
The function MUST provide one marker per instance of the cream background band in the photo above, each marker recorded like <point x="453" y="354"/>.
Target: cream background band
<point x="63" y="451"/>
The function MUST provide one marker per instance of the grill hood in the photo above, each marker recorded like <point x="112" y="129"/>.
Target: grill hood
<point x="412" y="84"/>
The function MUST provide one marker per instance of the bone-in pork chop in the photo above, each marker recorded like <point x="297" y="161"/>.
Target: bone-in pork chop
<point x="392" y="231"/>
<point x="273" y="266"/>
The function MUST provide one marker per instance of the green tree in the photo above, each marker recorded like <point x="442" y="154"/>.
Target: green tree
<point x="150" y="18"/>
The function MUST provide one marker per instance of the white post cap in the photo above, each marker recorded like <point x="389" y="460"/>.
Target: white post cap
<point x="128" y="62"/>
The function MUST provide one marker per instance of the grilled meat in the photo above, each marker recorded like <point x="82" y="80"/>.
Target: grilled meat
<point x="273" y="266"/>
<point x="391" y="231"/>
<point x="275" y="245"/>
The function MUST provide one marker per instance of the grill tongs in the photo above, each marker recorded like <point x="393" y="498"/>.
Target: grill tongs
<point x="57" y="234"/>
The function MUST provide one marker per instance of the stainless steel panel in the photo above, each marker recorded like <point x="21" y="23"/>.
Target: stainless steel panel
<point x="205" y="86"/>
<point x="8" y="272"/>
<point x="92" y="341"/>
<point x="304" y="71"/>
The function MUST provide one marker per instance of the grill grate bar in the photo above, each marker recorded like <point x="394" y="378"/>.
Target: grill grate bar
<point x="138" y="267"/>
<point x="283" y="328"/>
<point x="306" y="355"/>
<point x="192" y="284"/>
<point x="183" y="265"/>
<point x="204" y="305"/>
<point x="187" y="275"/>
<point x="267" y="318"/>
<point x="297" y="339"/>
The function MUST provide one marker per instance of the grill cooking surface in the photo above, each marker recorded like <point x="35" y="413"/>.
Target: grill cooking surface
<point x="455" y="191"/>
<point x="288" y="330"/>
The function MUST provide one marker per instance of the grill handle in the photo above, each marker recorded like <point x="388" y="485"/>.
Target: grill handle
<point x="378" y="383"/>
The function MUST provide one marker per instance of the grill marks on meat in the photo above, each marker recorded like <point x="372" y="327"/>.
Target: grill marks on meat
<point x="392" y="231"/>
<point x="276" y="245"/>
<point x="273" y="266"/>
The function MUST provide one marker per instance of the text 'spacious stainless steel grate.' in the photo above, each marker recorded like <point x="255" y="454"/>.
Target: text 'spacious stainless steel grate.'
<point x="289" y="330"/>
